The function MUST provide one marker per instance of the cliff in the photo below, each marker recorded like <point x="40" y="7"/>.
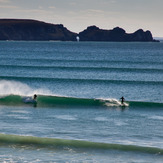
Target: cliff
<point x="33" y="30"/>
<point x="20" y="29"/>
<point x="94" y="33"/>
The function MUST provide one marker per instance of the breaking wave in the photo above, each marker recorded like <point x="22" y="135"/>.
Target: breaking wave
<point x="63" y="143"/>
<point x="17" y="93"/>
<point x="11" y="87"/>
<point x="52" y="101"/>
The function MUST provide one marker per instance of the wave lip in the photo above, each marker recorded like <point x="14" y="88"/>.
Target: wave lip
<point x="61" y="143"/>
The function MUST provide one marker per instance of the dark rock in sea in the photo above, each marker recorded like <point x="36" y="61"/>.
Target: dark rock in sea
<point x="20" y="29"/>
<point x="33" y="30"/>
<point x="140" y="35"/>
<point x="93" y="33"/>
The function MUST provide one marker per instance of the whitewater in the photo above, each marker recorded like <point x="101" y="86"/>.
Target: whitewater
<point x="78" y="115"/>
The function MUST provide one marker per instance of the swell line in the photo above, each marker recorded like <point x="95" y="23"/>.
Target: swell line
<point x="62" y="143"/>
<point x="92" y="68"/>
<point x="80" y="60"/>
<point x="107" y="81"/>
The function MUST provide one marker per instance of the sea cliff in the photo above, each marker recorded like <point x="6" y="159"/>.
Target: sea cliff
<point x="33" y="30"/>
<point x="94" y="33"/>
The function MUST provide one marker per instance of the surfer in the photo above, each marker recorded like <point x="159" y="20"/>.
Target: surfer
<point x="35" y="96"/>
<point x="122" y="99"/>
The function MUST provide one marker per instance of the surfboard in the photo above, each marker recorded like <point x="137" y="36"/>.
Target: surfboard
<point x="29" y="100"/>
<point x="124" y="104"/>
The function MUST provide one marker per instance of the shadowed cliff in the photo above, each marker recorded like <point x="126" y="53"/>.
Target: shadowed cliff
<point x="33" y="30"/>
<point x="19" y="29"/>
<point x="94" y="33"/>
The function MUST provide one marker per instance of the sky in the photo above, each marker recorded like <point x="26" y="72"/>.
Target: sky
<point x="77" y="15"/>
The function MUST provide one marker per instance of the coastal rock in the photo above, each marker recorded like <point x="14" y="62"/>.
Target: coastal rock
<point x="140" y="35"/>
<point x="93" y="33"/>
<point x="33" y="30"/>
<point x="20" y="29"/>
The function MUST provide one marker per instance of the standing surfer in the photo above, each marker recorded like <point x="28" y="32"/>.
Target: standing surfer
<point x="122" y="100"/>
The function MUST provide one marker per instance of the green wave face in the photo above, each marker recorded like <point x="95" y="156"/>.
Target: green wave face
<point x="11" y="100"/>
<point x="62" y="143"/>
<point x="145" y="104"/>
<point x="67" y="101"/>
<point x="53" y="101"/>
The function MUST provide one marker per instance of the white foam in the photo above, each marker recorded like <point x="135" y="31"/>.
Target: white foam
<point x="157" y="117"/>
<point x="120" y="123"/>
<point x="20" y="111"/>
<point x="66" y="117"/>
<point x="114" y="102"/>
<point x="102" y="119"/>
<point x="17" y="116"/>
<point x="17" y="88"/>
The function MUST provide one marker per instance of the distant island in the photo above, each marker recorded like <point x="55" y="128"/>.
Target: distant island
<point x="33" y="30"/>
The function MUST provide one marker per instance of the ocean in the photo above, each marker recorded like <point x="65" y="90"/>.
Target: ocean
<point x="78" y="115"/>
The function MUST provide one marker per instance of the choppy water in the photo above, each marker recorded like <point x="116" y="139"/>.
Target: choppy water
<point x="78" y="116"/>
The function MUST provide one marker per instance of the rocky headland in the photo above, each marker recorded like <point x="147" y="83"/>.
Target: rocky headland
<point x="33" y="30"/>
<point x="94" y="33"/>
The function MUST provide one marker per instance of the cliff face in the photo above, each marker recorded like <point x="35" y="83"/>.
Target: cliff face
<point x="93" y="33"/>
<point x="140" y="35"/>
<point x="17" y="29"/>
<point x="20" y="29"/>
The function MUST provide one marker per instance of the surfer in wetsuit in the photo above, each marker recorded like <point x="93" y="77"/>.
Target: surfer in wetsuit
<point x="122" y="99"/>
<point x="35" y="96"/>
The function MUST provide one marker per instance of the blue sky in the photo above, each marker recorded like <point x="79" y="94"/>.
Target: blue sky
<point x="76" y="15"/>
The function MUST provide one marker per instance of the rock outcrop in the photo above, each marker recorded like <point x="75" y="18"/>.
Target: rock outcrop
<point x="33" y="30"/>
<point x="20" y="29"/>
<point x="93" y="33"/>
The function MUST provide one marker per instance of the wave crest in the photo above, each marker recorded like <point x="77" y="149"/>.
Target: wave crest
<point x="62" y="143"/>
<point x="8" y="87"/>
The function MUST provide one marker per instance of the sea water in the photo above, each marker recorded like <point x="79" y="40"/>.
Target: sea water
<point x="78" y="116"/>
